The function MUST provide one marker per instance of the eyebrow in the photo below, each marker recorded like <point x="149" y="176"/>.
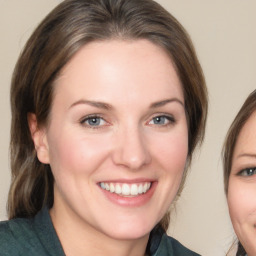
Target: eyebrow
<point x="247" y="155"/>
<point x="106" y="106"/>
<point x="164" y="102"/>
<point x="96" y="104"/>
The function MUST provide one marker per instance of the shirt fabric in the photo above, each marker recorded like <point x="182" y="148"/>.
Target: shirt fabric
<point x="37" y="237"/>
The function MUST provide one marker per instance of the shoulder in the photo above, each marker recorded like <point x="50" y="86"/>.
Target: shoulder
<point x="13" y="234"/>
<point x="177" y="248"/>
<point x="30" y="236"/>
<point x="160" y="244"/>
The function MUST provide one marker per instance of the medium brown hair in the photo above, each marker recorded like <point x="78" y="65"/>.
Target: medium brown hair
<point x="241" y="118"/>
<point x="71" y="25"/>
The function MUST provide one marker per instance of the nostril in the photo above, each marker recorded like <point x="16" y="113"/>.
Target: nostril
<point x="131" y="161"/>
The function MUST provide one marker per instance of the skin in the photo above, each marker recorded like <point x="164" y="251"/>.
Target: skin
<point x="135" y="82"/>
<point x="242" y="187"/>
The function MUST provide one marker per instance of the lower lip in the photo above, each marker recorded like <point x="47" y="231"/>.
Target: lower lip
<point x="134" y="201"/>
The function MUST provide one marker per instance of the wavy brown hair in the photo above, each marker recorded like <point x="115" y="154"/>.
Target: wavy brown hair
<point x="70" y="26"/>
<point x="241" y="118"/>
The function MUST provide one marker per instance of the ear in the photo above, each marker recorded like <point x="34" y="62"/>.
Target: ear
<point x="39" y="138"/>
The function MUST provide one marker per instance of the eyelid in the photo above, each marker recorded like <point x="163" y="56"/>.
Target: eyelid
<point x="84" y="118"/>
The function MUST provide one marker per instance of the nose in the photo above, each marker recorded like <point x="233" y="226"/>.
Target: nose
<point x="131" y="150"/>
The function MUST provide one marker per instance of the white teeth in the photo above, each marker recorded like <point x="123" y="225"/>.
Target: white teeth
<point x="126" y="189"/>
<point x="140" y="189"/>
<point x="118" y="189"/>
<point x="106" y="186"/>
<point x="134" y="190"/>
<point x="112" y="188"/>
<point x="145" y="188"/>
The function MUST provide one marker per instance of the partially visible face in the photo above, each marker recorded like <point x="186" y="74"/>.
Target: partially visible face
<point x="242" y="187"/>
<point x="117" y="140"/>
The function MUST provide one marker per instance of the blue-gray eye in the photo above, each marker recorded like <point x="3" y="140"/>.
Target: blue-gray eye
<point x="248" y="172"/>
<point x="162" y="120"/>
<point x="93" y="121"/>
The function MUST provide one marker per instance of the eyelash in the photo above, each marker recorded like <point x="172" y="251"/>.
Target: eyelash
<point x="247" y="172"/>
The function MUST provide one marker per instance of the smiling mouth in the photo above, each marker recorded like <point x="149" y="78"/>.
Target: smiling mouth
<point x="126" y="190"/>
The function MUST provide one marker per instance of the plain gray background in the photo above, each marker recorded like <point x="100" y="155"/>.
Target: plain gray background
<point x="224" y="35"/>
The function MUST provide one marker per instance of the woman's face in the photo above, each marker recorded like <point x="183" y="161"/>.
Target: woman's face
<point x="242" y="187"/>
<point x="117" y="139"/>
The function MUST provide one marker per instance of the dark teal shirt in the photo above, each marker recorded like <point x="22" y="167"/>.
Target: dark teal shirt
<point x="37" y="237"/>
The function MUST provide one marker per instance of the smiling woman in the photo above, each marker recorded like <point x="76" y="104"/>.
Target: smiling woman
<point x="239" y="160"/>
<point x="108" y="105"/>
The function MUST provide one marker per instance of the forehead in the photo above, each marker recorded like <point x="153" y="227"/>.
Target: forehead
<point x="118" y="66"/>
<point x="246" y="141"/>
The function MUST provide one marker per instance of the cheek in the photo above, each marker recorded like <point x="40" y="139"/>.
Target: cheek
<point x="172" y="151"/>
<point x="241" y="201"/>
<point x="75" y="154"/>
<point x="176" y="145"/>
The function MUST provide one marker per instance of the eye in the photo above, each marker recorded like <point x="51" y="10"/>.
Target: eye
<point x="162" y="120"/>
<point x="93" y="121"/>
<point x="247" y="172"/>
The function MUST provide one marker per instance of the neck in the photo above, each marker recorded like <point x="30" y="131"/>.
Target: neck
<point x="80" y="238"/>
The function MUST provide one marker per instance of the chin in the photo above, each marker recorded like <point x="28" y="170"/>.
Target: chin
<point x="130" y="232"/>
